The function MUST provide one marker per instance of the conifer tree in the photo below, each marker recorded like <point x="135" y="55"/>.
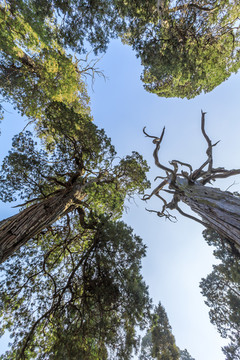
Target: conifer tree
<point x="75" y="170"/>
<point x="185" y="47"/>
<point x="159" y="342"/>
<point x="75" y="292"/>
<point x="221" y="289"/>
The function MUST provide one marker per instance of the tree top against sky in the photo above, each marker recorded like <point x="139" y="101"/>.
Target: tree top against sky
<point x="186" y="47"/>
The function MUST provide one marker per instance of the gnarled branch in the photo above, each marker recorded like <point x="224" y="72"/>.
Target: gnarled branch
<point x="219" y="210"/>
<point x="158" y="141"/>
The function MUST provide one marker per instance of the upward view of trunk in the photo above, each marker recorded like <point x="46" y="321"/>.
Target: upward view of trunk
<point x="220" y="210"/>
<point x="18" y="229"/>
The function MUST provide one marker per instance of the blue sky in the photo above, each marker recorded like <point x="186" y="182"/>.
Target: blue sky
<point x="177" y="256"/>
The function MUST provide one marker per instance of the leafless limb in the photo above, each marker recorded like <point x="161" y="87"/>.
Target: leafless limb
<point x="182" y="164"/>
<point x="29" y="123"/>
<point x="198" y="173"/>
<point x="156" y="190"/>
<point x="189" y="216"/>
<point x="157" y="141"/>
<point x="169" y="191"/>
<point x="90" y="69"/>
<point x="181" y="185"/>
<point x="234" y="183"/>
<point x="209" y="149"/>
<point x="159" y="177"/>
<point x="166" y="214"/>
<point x="222" y="175"/>
<point x="192" y="6"/>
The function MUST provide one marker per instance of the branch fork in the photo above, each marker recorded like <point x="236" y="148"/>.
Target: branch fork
<point x="189" y="186"/>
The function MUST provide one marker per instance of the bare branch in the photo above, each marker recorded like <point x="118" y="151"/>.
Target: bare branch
<point x="163" y="200"/>
<point x="226" y="174"/>
<point x="183" y="164"/>
<point x="158" y="141"/>
<point x="169" y="191"/>
<point x="210" y="146"/>
<point x="156" y="138"/>
<point x="209" y="149"/>
<point x="156" y="190"/>
<point x="192" y="6"/>
<point x="203" y="200"/>
<point x="198" y="173"/>
<point x="165" y="214"/>
<point x="160" y="177"/>
<point x="29" y="123"/>
<point x="190" y="216"/>
<point x="234" y="183"/>
<point x="175" y="166"/>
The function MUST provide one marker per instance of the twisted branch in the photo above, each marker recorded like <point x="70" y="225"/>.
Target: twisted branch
<point x="158" y="141"/>
<point x="198" y="173"/>
<point x="156" y="190"/>
<point x="175" y="180"/>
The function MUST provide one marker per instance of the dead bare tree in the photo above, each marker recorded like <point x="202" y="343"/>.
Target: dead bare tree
<point x="219" y="210"/>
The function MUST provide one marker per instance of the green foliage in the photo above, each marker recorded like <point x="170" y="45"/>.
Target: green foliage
<point x="73" y="151"/>
<point x="75" y="21"/>
<point x="185" y="47"/>
<point x="78" y="21"/>
<point x="34" y="68"/>
<point x="189" y="49"/>
<point x="159" y="342"/>
<point x="184" y="355"/>
<point x="75" y="292"/>
<point x="222" y="291"/>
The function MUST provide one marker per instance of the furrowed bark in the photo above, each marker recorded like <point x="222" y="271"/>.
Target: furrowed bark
<point x="16" y="230"/>
<point x="219" y="209"/>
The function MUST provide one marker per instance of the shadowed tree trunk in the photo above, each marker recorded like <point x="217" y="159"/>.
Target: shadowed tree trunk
<point x="18" y="229"/>
<point x="219" y="210"/>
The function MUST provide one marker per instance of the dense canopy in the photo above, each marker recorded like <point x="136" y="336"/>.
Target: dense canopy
<point x="186" y="47"/>
<point x="75" y="292"/>
<point x="70" y="282"/>
<point x="76" y="168"/>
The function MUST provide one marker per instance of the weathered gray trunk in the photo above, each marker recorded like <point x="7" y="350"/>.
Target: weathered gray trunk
<point x="18" y="229"/>
<point x="219" y="209"/>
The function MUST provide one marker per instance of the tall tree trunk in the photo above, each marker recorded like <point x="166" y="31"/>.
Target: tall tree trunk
<point x="18" y="229"/>
<point x="219" y="209"/>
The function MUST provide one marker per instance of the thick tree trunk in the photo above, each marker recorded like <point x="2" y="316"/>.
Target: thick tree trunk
<point x="219" y="209"/>
<point x="18" y="229"/>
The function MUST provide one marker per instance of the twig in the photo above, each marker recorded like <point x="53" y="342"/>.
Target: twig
<point x="166" y="215"/>
<point x="234" y="183"/>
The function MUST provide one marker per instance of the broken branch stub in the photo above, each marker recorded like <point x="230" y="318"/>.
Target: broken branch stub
<point x="217" y="209"/>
